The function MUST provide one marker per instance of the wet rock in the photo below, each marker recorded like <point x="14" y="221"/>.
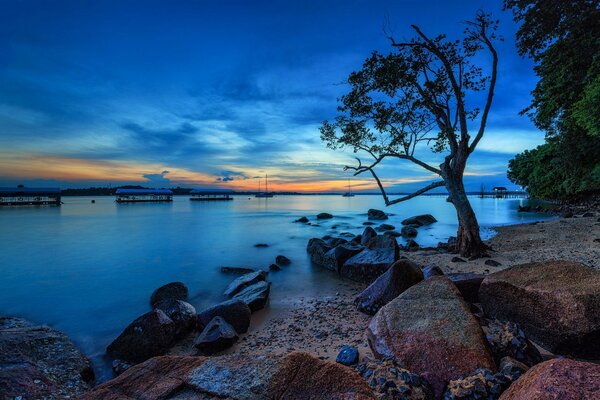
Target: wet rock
<point x="411" y="245"/>
<point x="507" y="339"/>
<point x="368" y="223"/>
<point x="303" y="220"/>
<point x="261" y="245"/>
<point x="383" y="242"/>
<point x="386" y="227"/>
<point x="420" y="220"/>
<point x="274" y="267"/>
<point x="457" y="260"/>
<point x="290" y="376"/>
<point x="317" y="250"/>
<point x="333" y="242"/>
<point x="376" y="214"/>
<point x="348" y="355"/>
<point x="170" y="291"/>
<point x="217" y="336"/>
<point x="492" y="263"/>
<point x="255" y="295"/>
<point x="324" y="216"/>
<point x="468" y="284"/>
<point x="390" y="381"/>
<point x="367" y="235"/>
<point x="392" y="233"/>
<point x="237" y="270"/>
<point x="234" y="312"/>
<point x="560" y="379"/>
<point x="181" y="313"/>
<point x="409" y="231"/>
<point x="430" y="330"/>
<point x="282" y="260"/>
<point x="554" y="302"/>
<point x="38" y="362"/>
<point x="430" y="271"/>
<point x="481" y="384"/>
<point x="244" y="281"/>
<point x="120" y="366"/>
<point x="150" y="335"/>
<point x="369" y="264"/>
<point x="512" y="367"/>
<point x="336" y="257"/>
<point x="399" y="277"/>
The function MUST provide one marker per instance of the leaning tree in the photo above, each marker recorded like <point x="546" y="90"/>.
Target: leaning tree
<point x="413" y="100"/>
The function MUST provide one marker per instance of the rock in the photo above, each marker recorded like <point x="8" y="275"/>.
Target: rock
<point x="181" y="313"/>
<point x="492" y="263"/>
<point x="237" y="270"/>
<point x="507" y="339"/>
<point x="282" y="260"/>
<point x="430" y="271"/>
<point x="38" y="362"/>
<point x="409" y="231"/>
<point x="420" y="220"/>
<point x="303" y="220"/>
<point x="512" y="367"/>
<point x="255" y="295"/>
<point x="431" y="331"/>
<point x="348" y="355"/>
<point x="333" y="242"/>
<point x="217" y="336"/>
<point x="259" y="245"/>
<point x="324" y="216"/>
<point x="392" y="233"/>
<point x="367" y="235"/>
<point x="468" y="284"/>
<point x="274" y="267"/>
<point x="366" y="223"/>
<point x="386" y="227"/>
<point x="411" y="245"/>
<point x="120" y="366"/>
<point x="336" y="257"/>
<point x="567" y="214"/>
<point x="170" y="291"/>
<point x="150" y="335"/>
<point x="376" y="214"/>
<point x="399" y="277"/>
<point x="235" y="312"/>
<point x="457" y="259"/>
<point x="244" y="281"/>
<point x="290" y="376"/>
<point x="317" y="248"/>
<point x="556" y="303"/>
<point x="558" y="379"/>
<point x="390" y="381"/>
<point x="369" y="264"/>
<point x="383" y="242"/>
<point x="481" y="384"/>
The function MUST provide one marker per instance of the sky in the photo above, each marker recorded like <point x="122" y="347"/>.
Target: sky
<point x="217" y="94"/>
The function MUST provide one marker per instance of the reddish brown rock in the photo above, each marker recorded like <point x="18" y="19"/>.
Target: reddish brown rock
<point x="557" y="379"/>
<point x="556" y="303"/>
<point x="291" y="376"/>
<point x="431" y="332"/>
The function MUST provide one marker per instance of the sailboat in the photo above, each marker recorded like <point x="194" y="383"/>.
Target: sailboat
<point x="266" y="192"/>
<point x="349" y="192"/>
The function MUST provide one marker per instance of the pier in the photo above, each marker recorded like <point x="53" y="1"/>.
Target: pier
<point x="22" y="196"/>
<point x="144" y="195"/>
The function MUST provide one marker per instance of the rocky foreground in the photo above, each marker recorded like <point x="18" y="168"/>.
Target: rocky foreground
<point x="417" y="324"/>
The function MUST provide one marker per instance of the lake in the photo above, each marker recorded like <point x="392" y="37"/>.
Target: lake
<point x="89" y="269"/>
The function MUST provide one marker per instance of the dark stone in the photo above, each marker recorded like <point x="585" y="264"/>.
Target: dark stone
<point x="399" y="277"/>
<point x="237" y="270"/>
<point x="170" y="291"/>
<point x="255" y="295"/>
<point x="409" y="231"/>
<point x="392" y="233"/>
<point x="317" y="249"/>
<point x="274" y="267"/>
<point x="457" y="259"/>
<point x="468" y="284"/>
<point x="38" y="362"/>
<point x="348" y="355"/>
<point x="244" y="281"/>
<point x="430" y="271"/>
<point x="324" y="216"/>
<point x="368" y="223"/>
<point x="150" y="335"/>
<point x="386" y="227"/>
<point x="367" y="235"/>
<point x="524" y="209"/>
<point x="376" y="214"/>
<point x="181" y="313"/>
<point x="234" y="312"/>
<point x="411" y="245"/>
<point x="420" y="220"/>
<point x="481" y="384"/>
<point x="567" y="214"/>
<point x="259" y="245"/>
<point x="120" y="366"/>
<point x="217" y="336"/>
<point x="507" y="339"/>
<point x="282" y="260"/>
<point x="369" y="264"/>
<point x="337" y="256"/>
<point x="492" y="263"/>
<point x="303" y="220"/>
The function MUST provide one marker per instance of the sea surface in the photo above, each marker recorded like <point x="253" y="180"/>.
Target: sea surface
<point x="88" y="269"/>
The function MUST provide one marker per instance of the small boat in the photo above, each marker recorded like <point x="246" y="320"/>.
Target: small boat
<point x="349" y="192"/>
<point x="266" y="192"/>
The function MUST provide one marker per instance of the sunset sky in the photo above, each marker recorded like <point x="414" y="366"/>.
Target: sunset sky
<point x="216" y="94"/>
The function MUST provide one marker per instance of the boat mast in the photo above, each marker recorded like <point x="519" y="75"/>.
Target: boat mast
<point x="266" y="183"/>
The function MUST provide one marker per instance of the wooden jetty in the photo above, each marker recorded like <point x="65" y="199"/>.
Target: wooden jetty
<point x="143" y="195"/>
<point x="23" y="196"/>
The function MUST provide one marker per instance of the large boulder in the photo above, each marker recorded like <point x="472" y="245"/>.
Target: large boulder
<point x="150" y="335"/>
<point x="170" y="291"/>
<point x="290" y="376"/>
<point x="183" y="315"/>
<point x="369" y="264"/>
<point x="383" y="242"/>
<point x="38" y="362"/>
<point x="255" y="296"/>
<point x="409" y="231"/>
<point x="235" y="312"/>
<point x="217" y="336"/>
<point x="324" y="215"/>
<point x="376" y="214"/>
<point x="317" y="250"/>
<point x="557" y="379"/>
<point x="420" y="220"/>
<point x="557" y="303"/>
<point x="336" y="257"/>
<point x="399" y="277"/>
<point x="367" y="235"/>
<point x="468" y="284"/>
<point x="431" y="331"/>
<point x="244" y="281"/>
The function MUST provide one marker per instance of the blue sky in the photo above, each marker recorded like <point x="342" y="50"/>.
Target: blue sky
<point x="216" y="94"/>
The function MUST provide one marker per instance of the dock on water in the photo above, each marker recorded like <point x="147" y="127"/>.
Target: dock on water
<point x="24" y="196"/>
<point x="144" y="195"/>
<point x="203" y="195"/>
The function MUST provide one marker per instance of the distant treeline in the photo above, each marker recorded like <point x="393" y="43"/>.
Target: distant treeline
<point x="110" y="191"/>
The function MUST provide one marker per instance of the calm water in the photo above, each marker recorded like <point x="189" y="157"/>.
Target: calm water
<point x="89" y="269"/>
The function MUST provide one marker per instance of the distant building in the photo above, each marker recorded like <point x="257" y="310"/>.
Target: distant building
<point x="143" y="195"/>
<point x="204" y="195"/>
<point x="24" y="196"/>
<point x="500" y="191"/>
